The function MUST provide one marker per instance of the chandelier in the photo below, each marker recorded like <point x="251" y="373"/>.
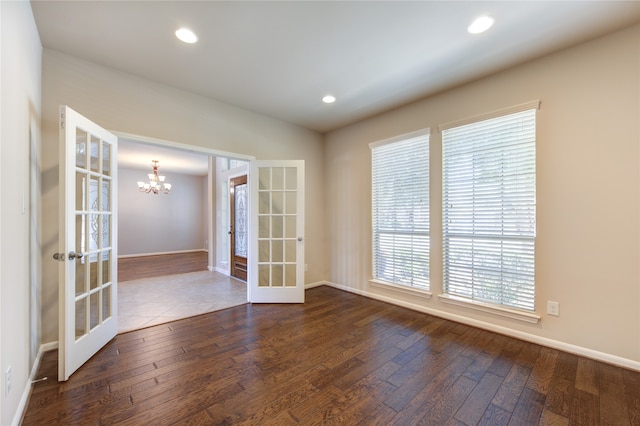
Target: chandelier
<point x="156" y="183"/>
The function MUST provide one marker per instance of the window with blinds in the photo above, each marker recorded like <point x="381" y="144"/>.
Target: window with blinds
<point x="400" y="210"/>
<point x="489" y="210"/>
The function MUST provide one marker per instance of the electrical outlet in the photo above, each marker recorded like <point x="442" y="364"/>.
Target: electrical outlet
<point x="553" y="308"/>
<point x="7" y="379"/>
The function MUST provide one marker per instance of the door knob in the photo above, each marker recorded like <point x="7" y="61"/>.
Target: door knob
<point x="73" y="255"/>
<point x="60" y="257"/>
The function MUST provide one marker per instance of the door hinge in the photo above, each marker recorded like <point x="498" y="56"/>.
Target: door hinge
<point x="62" y="120"/>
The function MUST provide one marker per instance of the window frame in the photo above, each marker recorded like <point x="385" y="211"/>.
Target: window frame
<point x="505" y="310"/>
<point x="377" y="280"/>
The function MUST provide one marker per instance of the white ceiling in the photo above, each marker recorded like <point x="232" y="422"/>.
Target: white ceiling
<point x="280" y="58"/>
<point x="134" y="154"/>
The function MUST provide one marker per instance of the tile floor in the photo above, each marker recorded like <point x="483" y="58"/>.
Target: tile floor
<point x="151" y="301"/>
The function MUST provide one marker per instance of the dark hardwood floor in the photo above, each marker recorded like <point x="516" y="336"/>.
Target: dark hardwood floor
<point x="338" y="359"/>
<point x="133" y="268"/>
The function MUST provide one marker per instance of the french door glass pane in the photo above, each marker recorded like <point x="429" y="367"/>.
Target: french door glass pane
<point x="81" y="148"/>
<point x="81" y="284"/>
<point x="290" y="205"/>
<point x="276" y="275"/>
<point x="276" y="227"/>
<point x="93" y="271"/>
<point x="94" y="303"/>
<point x="80" y="232"/>
<point x="81" y="324"/>
<point x="290" y="276"/>
<point x="290" y="251"/>
<point x="277" y="178"/>
<point x="106" y="302"/>
<point x="81" y="182"/>
<point x="263" y="275"/>
<point x="291" y="178"/>
<point x="95" y="154"/>
<point x="106" y="230"/>
<point x="263" y="251"/>
<point x="290" y="230"/>
<point x="276" y="251"/>
<point x="106" y="159"/>
<point x="264" y="178"/>
<point x="264" y="201"/>
<point x="94" y="232"/>
<point x="106" y="266"/>
<point x="93" y="193"/>
<point x="277" y="202"/>
<point x="104" y="195"/>
<point x="264" y="227"/>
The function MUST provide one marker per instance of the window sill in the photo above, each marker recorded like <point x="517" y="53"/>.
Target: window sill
<point x="401" y="288"/>
<point x="489" y="308"/>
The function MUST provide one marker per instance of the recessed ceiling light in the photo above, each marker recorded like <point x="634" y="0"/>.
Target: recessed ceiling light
<point x="186" y="35"/>
<point x="480" y="25"/>
<point x="329" y="99"/>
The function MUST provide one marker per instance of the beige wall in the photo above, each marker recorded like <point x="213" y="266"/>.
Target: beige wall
<point x="19" y="145"/>
<point x="129" y="104"/>
<point x="588" y="190"/>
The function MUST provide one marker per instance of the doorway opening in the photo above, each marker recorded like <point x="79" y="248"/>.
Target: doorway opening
<point x="175" y="237"/>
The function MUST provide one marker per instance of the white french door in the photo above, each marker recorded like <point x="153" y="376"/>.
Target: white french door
<point x="276" y="244"/>
<point x="87" y="248"/>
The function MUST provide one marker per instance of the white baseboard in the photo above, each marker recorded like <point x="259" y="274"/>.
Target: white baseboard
<point x="124" y="256"/>
<point x="220" y="270"/>
<point x="46" y="347"/>
<point x="22" y="405"/>
<point x="528" y="337"/>
<point x="316" y="284"/>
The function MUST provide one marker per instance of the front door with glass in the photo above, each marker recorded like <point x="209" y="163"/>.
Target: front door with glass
<point x="238" y="223"/>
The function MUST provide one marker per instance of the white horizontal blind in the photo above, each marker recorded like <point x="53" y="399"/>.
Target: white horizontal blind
<point x="400" y="201"/>
<point x="489" y="210"/>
